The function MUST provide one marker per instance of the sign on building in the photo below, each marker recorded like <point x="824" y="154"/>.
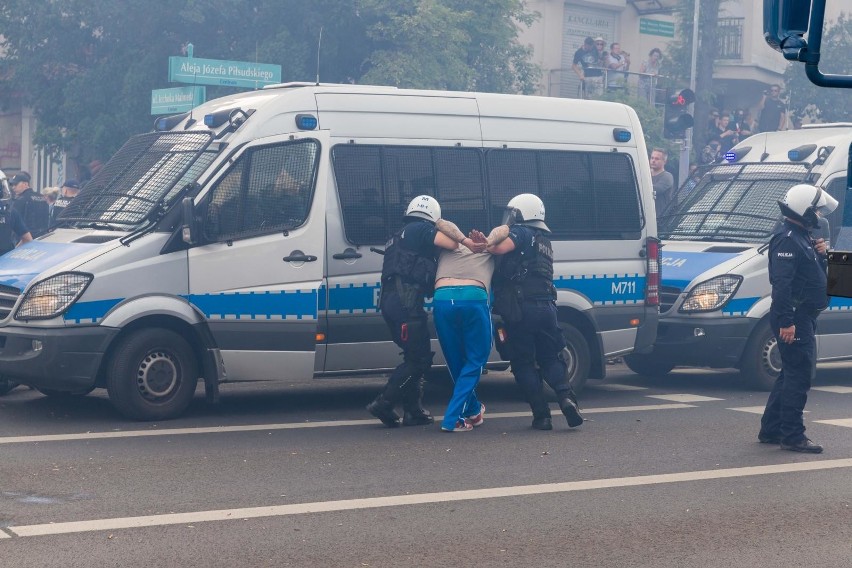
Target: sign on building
<point x="662" y="28"/>
<point x="177" y="99"/>
<point x="197" y="71"/>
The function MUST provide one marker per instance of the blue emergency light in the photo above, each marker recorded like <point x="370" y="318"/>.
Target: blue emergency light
<point x="621" y="135"/>
<point x="800" y="153"/>
<point x="306" y="122"/>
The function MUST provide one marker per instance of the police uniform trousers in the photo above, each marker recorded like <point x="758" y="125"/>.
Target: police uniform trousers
<point x="536" y="338"/>
<point x="463" y="321"/>
<point x="786" y="404"/>
<point x="409" y="330"/>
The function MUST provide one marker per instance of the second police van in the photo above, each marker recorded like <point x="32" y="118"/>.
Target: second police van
<point x="236" y="242"/>
<point x="715" y="293"/>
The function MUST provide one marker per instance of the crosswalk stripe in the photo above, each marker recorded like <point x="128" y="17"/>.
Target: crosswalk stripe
<point x="70" y="527"/>
<point x="616" y="387"/>
<point x="293" y="425"/>
<point x="834" y="389"/>
<point x="845" y="422"/>
<point x="683" y="397"/>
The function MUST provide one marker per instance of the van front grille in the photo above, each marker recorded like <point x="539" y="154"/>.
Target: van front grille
<point x="668" y="296"/>
<point x="8" y="298"/>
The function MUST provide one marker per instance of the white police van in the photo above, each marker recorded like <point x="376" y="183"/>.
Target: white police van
<point x="234" y="242"/>
<point x="715" y="293"/>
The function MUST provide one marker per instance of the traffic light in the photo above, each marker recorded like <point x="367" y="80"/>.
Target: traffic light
<point x="676" y="118"/>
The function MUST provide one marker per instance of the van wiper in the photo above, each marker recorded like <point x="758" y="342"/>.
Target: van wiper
<point x="720" y="238"/>
<point x="99" y="226"/>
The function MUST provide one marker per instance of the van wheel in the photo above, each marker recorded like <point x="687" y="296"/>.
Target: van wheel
<point x="6" y="385"/>
<point x="53" y="393"/>
<point x="761" y="362"/>
<point x="647" y="365"/>
<point x="152" y="374"/>
<point x="578" y="359"/>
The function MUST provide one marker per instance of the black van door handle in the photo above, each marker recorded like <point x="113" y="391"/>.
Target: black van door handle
<point x="349" y="253"/>
<point x="299" y="256"/>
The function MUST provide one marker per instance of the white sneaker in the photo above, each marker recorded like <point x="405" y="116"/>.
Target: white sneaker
<point x="477" y="419"/>
<point x="461" y="426"/>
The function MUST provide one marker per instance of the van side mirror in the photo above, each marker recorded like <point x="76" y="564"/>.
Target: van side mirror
<point x="189" y="227"/>
<point x="784" y="20"/>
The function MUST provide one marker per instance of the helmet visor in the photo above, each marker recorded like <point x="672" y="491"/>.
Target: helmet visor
<point x="511" y="216"/>
<point x="825" y="204"/>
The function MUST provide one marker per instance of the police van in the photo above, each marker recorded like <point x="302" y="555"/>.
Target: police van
<point x="715" y="292"/>
<point x="237" y="242"/>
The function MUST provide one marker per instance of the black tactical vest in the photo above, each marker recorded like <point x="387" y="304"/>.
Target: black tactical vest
<point x="58" y="207"/>
<point x="408" y="267"/>
<point x="530" y="269"/>
<point x="34" y="210"/>
<point x="7" y="236"/>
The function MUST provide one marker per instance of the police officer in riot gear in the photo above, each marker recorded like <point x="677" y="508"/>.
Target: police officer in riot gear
<point x="408" y="275"/>
<point x="32" y="207"/>
<point x="69" y="191"/>
<point x="525" y="297"/>
<point x="797" y="273"/>
<point x="13" y="230"/>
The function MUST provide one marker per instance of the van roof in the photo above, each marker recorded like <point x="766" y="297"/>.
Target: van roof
<point x="774" y="146"/>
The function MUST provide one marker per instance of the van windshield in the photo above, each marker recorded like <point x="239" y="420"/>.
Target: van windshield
<point x="731" y="202"/>
<point x="142" y="178"/>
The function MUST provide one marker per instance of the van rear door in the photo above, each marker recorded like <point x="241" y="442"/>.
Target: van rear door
<point x="258" y="277"/>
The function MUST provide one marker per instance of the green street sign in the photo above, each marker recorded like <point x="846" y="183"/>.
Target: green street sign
<point x="177" y="99"/>
<point x="656" y="27"/>
<point x="220" y="72"/>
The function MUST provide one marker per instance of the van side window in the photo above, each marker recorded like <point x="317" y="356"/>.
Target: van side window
<point x="837" y="189"/>
<point x="268" y="189"/>
<point x="376" y="183"/>
<point x="586" y="195"/>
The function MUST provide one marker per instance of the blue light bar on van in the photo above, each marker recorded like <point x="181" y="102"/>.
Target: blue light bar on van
<point x="737" y="154"/>
<point x="306" y="121"/>
<point x="168" y="122"/>
<point x="621" y="135"/>
<point x="800" y="153"/>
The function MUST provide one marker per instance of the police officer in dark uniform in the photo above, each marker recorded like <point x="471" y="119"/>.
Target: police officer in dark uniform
<point x="13" y="230"/>
<point x="797" y="273"/>
<point x="70" y="189"/>
<point x="408" y="275"/>
<point x="32" y="207"/>
<point x="525" y="297"/>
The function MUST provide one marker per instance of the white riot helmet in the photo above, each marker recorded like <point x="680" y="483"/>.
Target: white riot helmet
<point x="525" y="209"/>
<point x="5" y="190"/>
<point x="424" y="207"/>
<point x="806" y="203"/>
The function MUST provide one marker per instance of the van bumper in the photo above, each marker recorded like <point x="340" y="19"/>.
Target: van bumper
<point x="67" y="359"/>
<point x="717" y="343"/>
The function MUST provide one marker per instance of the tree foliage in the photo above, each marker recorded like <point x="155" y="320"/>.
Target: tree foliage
<point x="819" y="104"/>
<point x="87" y="67"/>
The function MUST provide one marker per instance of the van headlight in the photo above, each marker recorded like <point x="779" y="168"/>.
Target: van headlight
<point x="711" y="294"/>
<point x="52" y="296"/>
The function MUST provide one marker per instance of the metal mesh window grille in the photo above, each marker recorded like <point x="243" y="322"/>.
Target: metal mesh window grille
<point x="586" y="195"/>
<point x="376" y="183"/>
<point x="140" y="177"/>
<point x="731" y="202"/>
<point x="269" y="189"/>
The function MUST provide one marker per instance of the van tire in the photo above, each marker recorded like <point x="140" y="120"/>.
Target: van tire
<point x="579" y="361"/>
<point x="648" y="365"/>
<point x="6" y="386"/>
<point x="761" y="361"/>
<point x="169" y="391"/>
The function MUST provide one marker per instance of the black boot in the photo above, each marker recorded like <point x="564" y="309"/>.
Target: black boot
<point x="382" y="409"/>
<point x="412" y="404"/>
<point x="542" y="422"/>
<point x="571" y="411"/>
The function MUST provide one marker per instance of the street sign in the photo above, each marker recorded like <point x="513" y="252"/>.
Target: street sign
<point x="656" y="27"/>
<point x="177" y="99"/>
<point x="220" y="72"/>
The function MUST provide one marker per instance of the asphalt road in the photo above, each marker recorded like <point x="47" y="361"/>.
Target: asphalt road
<point x="665" y="473"/>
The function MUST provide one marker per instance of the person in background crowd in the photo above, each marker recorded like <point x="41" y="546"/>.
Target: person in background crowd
<point x="797" y="274"/>
<point x="650" y="69"/>
<point x="618" y="63"/>
<point x="13" y="230"/>
<point x="743" y="124"/>
<point x="662" y="180"/>
<point x="70" y="190"/>
<point x="587" y="65"/>
<point x="773" y="111"/>
<point x="463" y="322"/>
<point x="524" y="296"/>
<point x="725" y="133"/>
<point x="408" y="275"/>
<point x="31" y="206"/>
<point x="713" y="120"/>
<point x="712" y="152"/>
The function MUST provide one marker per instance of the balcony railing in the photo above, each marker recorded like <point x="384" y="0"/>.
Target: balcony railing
<point x="730" y="34"/>
<point x="565" y="83"/>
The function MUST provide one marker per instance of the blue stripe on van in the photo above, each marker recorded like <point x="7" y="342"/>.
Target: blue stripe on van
<point x="840" y="304"/>
<point x="606" y="289"/>
<point x="90" y="312"/>
<point x="280" y="304"/>
<point x="353" y="299"/>
<point x="681" y="268"/>
<point x="739" y="306"/>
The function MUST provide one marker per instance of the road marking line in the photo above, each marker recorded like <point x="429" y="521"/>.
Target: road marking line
<point x="615" y="387"/>
<point x="417" y="499"/>
<point x="753" y="409"/>
<point x="292" y="426"/>
<point x="4" y="535"/>
<point x="834" y="389"/>
<point x="845" y="422"/>
<point x="683" y="397"/>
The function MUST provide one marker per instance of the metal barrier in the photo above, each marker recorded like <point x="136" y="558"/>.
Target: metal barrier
<point x="566" y="84"/>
